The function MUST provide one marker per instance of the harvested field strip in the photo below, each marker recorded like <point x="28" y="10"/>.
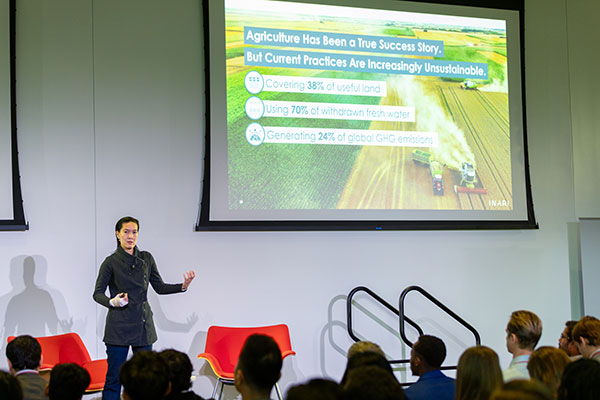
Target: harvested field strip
<point x="489" y="163"/>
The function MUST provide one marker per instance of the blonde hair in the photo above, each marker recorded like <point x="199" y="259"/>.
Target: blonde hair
<point x="364" y="346"/>
<point x="527" y="327"/>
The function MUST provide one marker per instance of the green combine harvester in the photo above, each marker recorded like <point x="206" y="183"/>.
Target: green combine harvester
<point x="468" y="180"/>
<point x="421" y="157"/>
<point x="436" y="169"/>
<point x="469" y="85"/>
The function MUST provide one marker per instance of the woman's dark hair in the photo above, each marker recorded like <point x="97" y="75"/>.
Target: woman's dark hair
<point x="122" y="222"/>
<point x="580" y="380"/>
<point x="10" y="388"/>
<point x="546" y="364"/>
<point x="316" y="389"/>
<point x="522" y="389"/>
<point x="367" y="358"/>
<point x="478" y="374"/>
<point x="180" y="369"/>
<point x="371" y="382"/>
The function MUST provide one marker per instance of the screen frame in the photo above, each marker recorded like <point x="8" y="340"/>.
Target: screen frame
<point x="204" y="223"/>
<point x="18" y="223"/>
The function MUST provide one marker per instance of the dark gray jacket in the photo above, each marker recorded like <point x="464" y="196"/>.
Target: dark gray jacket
<point x="126" y="273"/>
<point x="33" y="385"/>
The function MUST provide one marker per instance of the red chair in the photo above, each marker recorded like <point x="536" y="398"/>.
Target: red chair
<point x="70" y="348"/>
<point x="224" y="344"/>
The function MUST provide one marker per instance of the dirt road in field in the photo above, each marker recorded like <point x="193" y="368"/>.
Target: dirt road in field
<point x="387" y="177"/>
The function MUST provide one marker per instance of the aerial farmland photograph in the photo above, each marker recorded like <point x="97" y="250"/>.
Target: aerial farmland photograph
<point x="468" y="169"/>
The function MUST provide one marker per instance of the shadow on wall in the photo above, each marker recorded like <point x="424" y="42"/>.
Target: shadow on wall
<point x="368" y="325"/>
<point x="331" y="334"/>
<point x="32" y="307"/>
<point x="162" y="320"/>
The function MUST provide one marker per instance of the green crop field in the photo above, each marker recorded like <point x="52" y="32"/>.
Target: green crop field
<point x="398" y="32"/>
<point x="288" y="176"/>
<point x="472" y="54"/>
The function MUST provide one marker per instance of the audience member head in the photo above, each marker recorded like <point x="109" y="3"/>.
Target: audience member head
<point x="586" y="334"/>
<point x="478" y="374"/>
<point x="427" y="354"/>
<point x="521" y="389"/>
<point x="258" y="367"/>
<point x="372" y="383"/>
<point x="523" y="332"/>
<point x="23" y="352"/>
<point x="566" y="342"/>
<point x="364" y="359"/>
<point x="10" y="388"/>
<point x="364" y="346"/>
<point x="145" y="377"/>
<point x="546" y="365"/>
<point x="580" y="381"/>
<point x="316" y="389"/>
<point x="180" y="370"/>
<point x="68" y="381"/>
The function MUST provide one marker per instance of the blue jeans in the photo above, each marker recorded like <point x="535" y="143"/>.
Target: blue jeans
<point x="116" y="357"/>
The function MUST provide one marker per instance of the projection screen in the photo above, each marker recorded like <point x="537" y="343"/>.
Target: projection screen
<point x="392" y="115"/>
<point x="11" y="203"/>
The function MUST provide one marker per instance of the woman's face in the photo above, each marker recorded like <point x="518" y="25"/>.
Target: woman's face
<point x="128" y="236"/>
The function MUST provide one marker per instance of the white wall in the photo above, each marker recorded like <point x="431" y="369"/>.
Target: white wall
<point x="590" y="274"/>
<point x="584" y="84"/>
<point x="110" y="117"/>
<point x="585" y="104"/>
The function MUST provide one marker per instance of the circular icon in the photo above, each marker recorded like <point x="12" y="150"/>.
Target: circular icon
<point x="255" y="108"/>
<point x="254" y="82"/>
<point x="255" y="134"/>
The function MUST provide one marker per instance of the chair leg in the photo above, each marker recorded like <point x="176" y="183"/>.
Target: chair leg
<point x="221" y="392"/>
<point x="216" y="387"/>
<point x="278" y="391"/>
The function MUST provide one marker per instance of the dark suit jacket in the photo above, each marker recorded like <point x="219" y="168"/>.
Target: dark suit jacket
<point x="131" y="274"/>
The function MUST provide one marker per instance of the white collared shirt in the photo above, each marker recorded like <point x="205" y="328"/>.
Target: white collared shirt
<point x="517" y="369"/>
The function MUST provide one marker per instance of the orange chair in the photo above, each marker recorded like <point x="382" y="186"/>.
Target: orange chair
<point x="70" y="348"/>
<point x="224" y="344"/>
